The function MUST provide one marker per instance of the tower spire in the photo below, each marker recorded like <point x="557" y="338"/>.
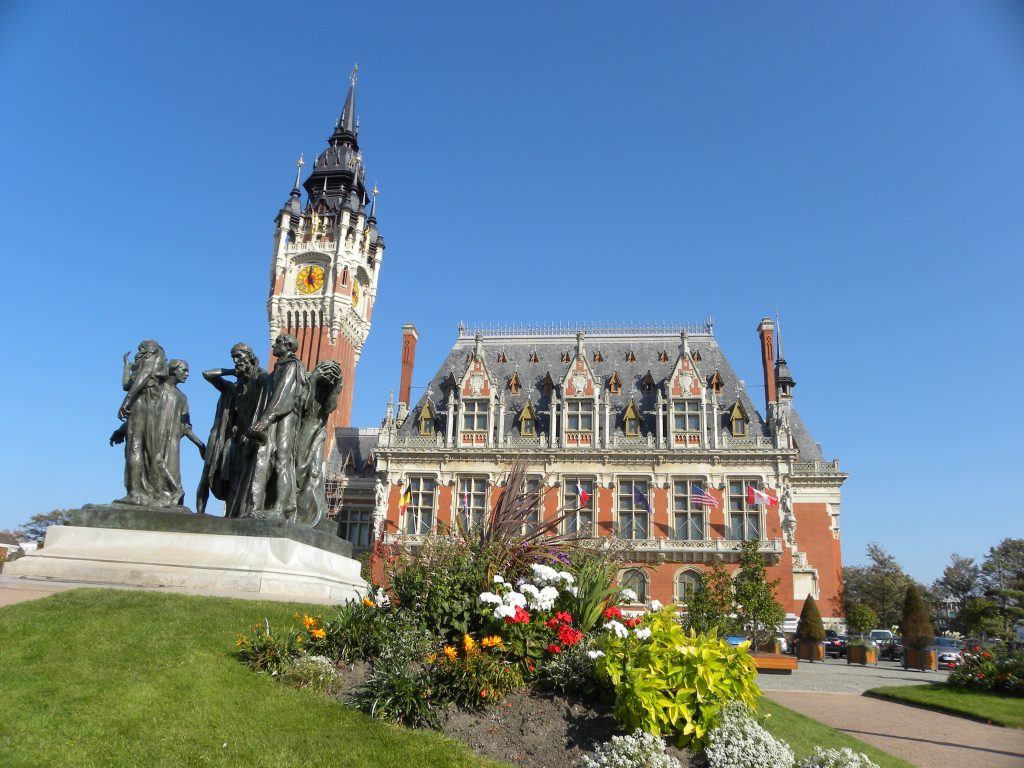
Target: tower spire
<point x="784" y="382"/>
<point x="347" y="121"/>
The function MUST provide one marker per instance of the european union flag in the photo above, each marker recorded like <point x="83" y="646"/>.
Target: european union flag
<point x="640" y="499"/>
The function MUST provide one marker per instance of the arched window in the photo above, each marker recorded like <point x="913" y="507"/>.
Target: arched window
<point x="636" y="580"/>
<point x="687" y="585"/>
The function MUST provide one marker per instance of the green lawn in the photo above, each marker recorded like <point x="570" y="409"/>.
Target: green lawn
<point x="112" y="678"/>
<point x="977" y="705"/>
<point x="804" y="734"/>
<point x="121" y="678"/>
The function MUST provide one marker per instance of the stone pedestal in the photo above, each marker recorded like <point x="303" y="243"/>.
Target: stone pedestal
<point x="136" y="546"/>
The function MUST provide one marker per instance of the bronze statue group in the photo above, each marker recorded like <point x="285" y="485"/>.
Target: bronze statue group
<point x="264" y="457"/>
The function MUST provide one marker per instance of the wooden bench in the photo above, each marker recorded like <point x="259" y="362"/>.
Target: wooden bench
<point x="774" y="662"/>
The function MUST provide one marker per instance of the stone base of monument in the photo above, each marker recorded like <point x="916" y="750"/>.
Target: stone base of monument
<point x="124" y="545"/>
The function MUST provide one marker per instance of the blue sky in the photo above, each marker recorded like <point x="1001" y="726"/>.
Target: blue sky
<point x="855" y="167"/>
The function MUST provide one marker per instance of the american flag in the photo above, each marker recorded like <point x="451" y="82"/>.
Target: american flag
<point x="701" y="497"/>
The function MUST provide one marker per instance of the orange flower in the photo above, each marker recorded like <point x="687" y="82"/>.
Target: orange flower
<point x="431" y="658"/>
<point x="494" y="641"/>
<point x="308" y="621"/>
<point x="468" y="644"/>
<point x="318" y="633"/>
<point x="368" y="602"/>
<point x="451" y="653"/>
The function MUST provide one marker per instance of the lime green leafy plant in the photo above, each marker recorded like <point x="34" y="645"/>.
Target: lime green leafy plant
<point x="670" y="682"/>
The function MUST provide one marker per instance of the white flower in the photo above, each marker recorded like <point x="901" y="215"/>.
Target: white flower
<point x="381" y="598"/>
<point x="642" y="634"/>
<point x="504" y="612"/>
<point x="489" y="597"/>
<point x="617" y="627"/>
<point x="543" y="600"/>
<point x="544" y="573"/>
<point x="529" y="589"/>
<point x="655" y="605"/>
<point x="514" y="599"/>
<point x="573" y="590"/>
<point x="566" y="577"/>
<point x="628" y="595"/>
<point x="595" y="654"/>
<point x="498" y="579"/>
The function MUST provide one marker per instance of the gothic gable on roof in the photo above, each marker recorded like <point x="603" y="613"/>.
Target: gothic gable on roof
<point x="685" y="380"/>
<point x="579" y="379"/>
<point x="476" y="381"/>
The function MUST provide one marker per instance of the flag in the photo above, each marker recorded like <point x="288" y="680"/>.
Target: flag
<point x="582" y="497"/>
<point x="406" y="498"/>
<point x="640" y="498"/>
<point x="754" y="496"/>
<point x="465" y="504"/>
<point x="701" y="497"/>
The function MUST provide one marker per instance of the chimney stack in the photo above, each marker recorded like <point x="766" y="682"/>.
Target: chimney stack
<point x="766" y="330"/>
<point x="409" y="337"/>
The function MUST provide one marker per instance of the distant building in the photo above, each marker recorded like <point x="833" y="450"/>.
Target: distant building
<point x="9" y="546"/>
<point x="630" y="427"/>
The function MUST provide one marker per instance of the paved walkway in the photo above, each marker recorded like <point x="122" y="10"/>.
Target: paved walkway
<point x="831" y="693"/>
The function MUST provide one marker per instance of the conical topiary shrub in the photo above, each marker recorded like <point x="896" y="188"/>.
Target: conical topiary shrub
<point x="918" y="633"/>
<point x="810" y="632"/>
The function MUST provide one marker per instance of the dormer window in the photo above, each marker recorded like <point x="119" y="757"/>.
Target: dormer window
<point x="686" y="415"/>
<point x="598" y="357"/>
<point x="716" y="383"/>
<point x="648" y="382"/>
<point x="533" y="357"/>
<point x="631" y="420"/>
<point x="527" y="422"/>
<point x="738" y="420"/>
<point x="663" y="356"/>
<point x="502" y="358"/>
<point x="630" y="357"/>
<point x="474" y="416"/>
<point x="565" y="357"/>
<point x="549" y="383"/>
<point x="696" y="356"/>
<point x="426" y="420"/>
<point x="614" y="383"/>
<point x="514" y="385"/>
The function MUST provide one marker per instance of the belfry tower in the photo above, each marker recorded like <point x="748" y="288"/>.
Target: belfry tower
<point x="327" y="257"/>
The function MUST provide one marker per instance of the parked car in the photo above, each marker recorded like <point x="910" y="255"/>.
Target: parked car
<point x="783" y="643"/>
<point x="947" y="652"/>
<point x="889" y="646"/>
<point x="835" y="644"/>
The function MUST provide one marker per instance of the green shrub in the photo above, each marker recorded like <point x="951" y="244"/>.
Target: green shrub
<point x="474" y="674"/>
<point x="315" y="672"/>
<point x="668" y="682"/>
<point x="399" y="693"/>
<point x="860" y="618"/>
<point x="572" y="672"/>
<point x="917" y="629"/>
<point x="996" y="670"/>
<point x="810" y="629"/>
<point x="265" y="651"/>
<point x="595" y="589"/>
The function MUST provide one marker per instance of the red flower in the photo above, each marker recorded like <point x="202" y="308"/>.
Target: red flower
<point x="521" y="617"/>
<point x="554" y="648"/>
<point x="632" y="623"/>
<point x="612" y="612"/>
<point x="551" y="623"/>
<point x="986" y="655"/>
<point x="568" y="635"/>
<point x="483" y="694"/>
<point x="565" y="618"/>
<point x="981" y="675"/>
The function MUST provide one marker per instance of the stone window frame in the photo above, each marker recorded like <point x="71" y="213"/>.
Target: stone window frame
<point x="625" y="507"/>
<point x="681" y="595"/>
<point x="690" y="510"/>
<point x="582" y="410"/>
<point x="478" y="488"/>
<point x="576" y="519"/>
<point x="419" y="517"/>
<point x="737" y="507"/>
<point x="692" y="408"/>
<point x="638" y="580"/>
<point x="476" y="411"/>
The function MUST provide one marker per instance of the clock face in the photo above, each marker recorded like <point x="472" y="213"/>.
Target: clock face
<point x="310" y="279"/>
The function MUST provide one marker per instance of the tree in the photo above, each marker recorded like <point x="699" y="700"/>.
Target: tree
<point x="1002" y="578"/>
<point x="880" y="586"/>
<point x="35" y="528"/>
<point x="756" y="606"/>
<point x="810" y="628"/>
<point x="916" y="627"/>
<point x="711" y="608"/>
<point x="860" y="619"/>
<point x="958" y="586"/>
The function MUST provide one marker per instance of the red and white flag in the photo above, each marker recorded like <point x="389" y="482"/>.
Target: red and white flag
<point x="582" y="496"/>
<point x="754" y="496"/>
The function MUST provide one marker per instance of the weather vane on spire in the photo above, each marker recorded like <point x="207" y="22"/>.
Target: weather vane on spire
<point x="352" y="77"/>
<point x="298" y="169"/>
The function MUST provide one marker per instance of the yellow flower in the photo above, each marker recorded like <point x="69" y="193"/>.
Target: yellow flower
<point x="308" y="621"/>
<point x="468" y="644"/>
<point x="368" y="602"/>
<point x="318" y="633"/>
<point x="494" y="641"/>
<point x="451" y="653"/>
<point x="431" y="658"/>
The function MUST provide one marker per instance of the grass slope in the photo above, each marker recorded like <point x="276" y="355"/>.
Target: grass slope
<point x="976" y="705"/>
<point x="804" y="734"/>
<point x="121" y="678"/>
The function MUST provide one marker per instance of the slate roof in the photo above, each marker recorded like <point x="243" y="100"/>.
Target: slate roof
<point x="613" y="348"/>
<point x="357" y="443"/>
